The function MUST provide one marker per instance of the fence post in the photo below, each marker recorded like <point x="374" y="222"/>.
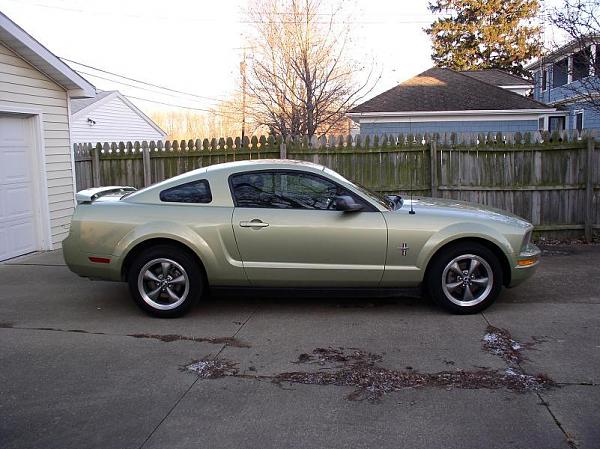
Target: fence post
<point x="433" y="161"/>
<point x="282" y="150"/>
<point x="96" y="165"/>
<point x="146" y="164"/>
<point x="589" y="192"/>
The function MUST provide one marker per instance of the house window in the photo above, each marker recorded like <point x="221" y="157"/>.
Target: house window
<point x="560" y="73"/>
<point x="579" y="121"/>
<point x="556" y="123"/>
<point x="581" y="64"/>
<point x="541" y="123"/>
<point x="544" y="79"/>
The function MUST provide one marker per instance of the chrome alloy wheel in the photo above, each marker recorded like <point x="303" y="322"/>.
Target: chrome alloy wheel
<point x="163" y="284"/>
<point x="467" y="280"/>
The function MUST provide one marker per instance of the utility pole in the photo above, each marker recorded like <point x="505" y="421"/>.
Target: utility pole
<point x="243" y="73"/>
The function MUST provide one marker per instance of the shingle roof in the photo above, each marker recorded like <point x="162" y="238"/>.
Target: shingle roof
<point x="439" y="89"/>
<point x="497" y="77"/>
<point x="78" y="104"/>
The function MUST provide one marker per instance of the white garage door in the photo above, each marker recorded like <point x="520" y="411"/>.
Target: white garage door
<point x="17" y="218"/>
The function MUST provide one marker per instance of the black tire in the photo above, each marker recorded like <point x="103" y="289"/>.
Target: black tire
<point x="179" y="281"/>
<point x="443" y="277"/>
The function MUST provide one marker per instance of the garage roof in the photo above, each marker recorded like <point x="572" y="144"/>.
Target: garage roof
<point x="23" y="44"/>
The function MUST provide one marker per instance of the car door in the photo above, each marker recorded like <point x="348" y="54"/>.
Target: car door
<point x="289" y="233"/>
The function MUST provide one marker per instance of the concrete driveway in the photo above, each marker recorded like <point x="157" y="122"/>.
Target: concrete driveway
<point x="82" y="367"/>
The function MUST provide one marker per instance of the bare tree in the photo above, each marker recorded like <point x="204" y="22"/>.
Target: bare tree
<point x="580" y="21"/>
<point x="300" y="77"/>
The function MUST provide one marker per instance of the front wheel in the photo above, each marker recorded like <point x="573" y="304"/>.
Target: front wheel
<point x="165" y="281"/>
<point x="465" y="278"/>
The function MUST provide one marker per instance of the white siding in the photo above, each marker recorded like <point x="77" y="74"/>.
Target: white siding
<point x="21" y="85"/>
<point x="115" y="122"/>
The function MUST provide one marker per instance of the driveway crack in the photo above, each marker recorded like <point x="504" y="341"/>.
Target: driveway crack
<point x="570" y="439"/>
<point x="516" y="361"/>
<point x="193" y="383"/>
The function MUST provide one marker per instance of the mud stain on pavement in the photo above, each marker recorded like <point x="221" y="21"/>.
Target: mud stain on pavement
<point x="353" y="367"/>
<point x="229" y="341"/>
<point x="499" y="342"/>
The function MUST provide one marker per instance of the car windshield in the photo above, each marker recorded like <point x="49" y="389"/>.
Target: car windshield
<point x="385" y="202"/>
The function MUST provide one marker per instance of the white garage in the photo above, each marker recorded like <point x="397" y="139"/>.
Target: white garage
<point x="18" y="233"/>
<point x="36" y="162"/>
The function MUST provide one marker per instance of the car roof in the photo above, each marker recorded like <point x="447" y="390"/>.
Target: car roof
<point x="262" y="164"/>
<point x="224" y="170"/>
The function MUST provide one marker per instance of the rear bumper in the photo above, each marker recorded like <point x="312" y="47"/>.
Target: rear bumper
<point x="95" y="266"/>
<point x="524" y="264"/>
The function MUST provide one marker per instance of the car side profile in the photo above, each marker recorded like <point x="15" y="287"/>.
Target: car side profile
<point x="283" y="223"/>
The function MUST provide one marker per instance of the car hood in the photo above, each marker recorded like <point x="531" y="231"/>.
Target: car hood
<point x="456" y="208"/>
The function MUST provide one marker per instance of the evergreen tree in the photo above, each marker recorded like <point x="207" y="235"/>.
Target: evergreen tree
<point x="483" y="34"/>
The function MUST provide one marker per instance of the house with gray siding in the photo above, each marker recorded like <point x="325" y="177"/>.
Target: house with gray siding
<point x="566" y="79"/>
<point x="444" y="101"/>
<point x="111" y="117"/>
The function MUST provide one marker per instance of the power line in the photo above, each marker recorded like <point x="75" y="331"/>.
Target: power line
<point x="123" y="83"/>
<point x="182" y="107"/>
<point x="141" y="82"/>
<point x="245" y="22"/>
<point x="430" y="17"/>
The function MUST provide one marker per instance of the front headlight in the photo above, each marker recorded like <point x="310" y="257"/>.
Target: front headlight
<point x="526" y="239"/>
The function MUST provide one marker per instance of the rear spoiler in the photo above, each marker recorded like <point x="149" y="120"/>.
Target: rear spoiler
<point x="91" y="195"/>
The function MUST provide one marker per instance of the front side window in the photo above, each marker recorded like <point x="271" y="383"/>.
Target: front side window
<point x="286" y="190"/>
<point x="191" y="192"/>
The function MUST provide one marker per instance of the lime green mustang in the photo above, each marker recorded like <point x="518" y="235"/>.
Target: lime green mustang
<point x="278" y="223"/>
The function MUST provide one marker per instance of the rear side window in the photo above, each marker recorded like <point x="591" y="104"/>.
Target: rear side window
<point x="191" y="192"/>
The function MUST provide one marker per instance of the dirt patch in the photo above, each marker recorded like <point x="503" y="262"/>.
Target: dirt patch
<point x="359" y="369"/>
<point x="500" y="342"/>
<point x="229" y="341"/>
<point x="323" y="356"/>
<point x="213" y="369"/>
<point x="52" y="329"/>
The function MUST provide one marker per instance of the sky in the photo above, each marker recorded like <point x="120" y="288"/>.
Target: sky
<point x="195" y="47"/>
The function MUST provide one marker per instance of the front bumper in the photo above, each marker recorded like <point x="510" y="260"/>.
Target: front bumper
<point x="525" y="264"/>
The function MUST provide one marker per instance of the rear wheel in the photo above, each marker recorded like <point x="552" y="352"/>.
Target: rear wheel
<point x="465" y="278"/>
<point x="165" y="281"/>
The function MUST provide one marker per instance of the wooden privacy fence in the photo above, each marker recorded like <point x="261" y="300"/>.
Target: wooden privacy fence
<point x="550" y="180"/>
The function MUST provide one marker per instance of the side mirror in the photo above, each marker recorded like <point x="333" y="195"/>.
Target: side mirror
<point x="346" y="203"/>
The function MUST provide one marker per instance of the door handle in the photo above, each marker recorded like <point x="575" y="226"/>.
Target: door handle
<point x="255" y="223"/>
